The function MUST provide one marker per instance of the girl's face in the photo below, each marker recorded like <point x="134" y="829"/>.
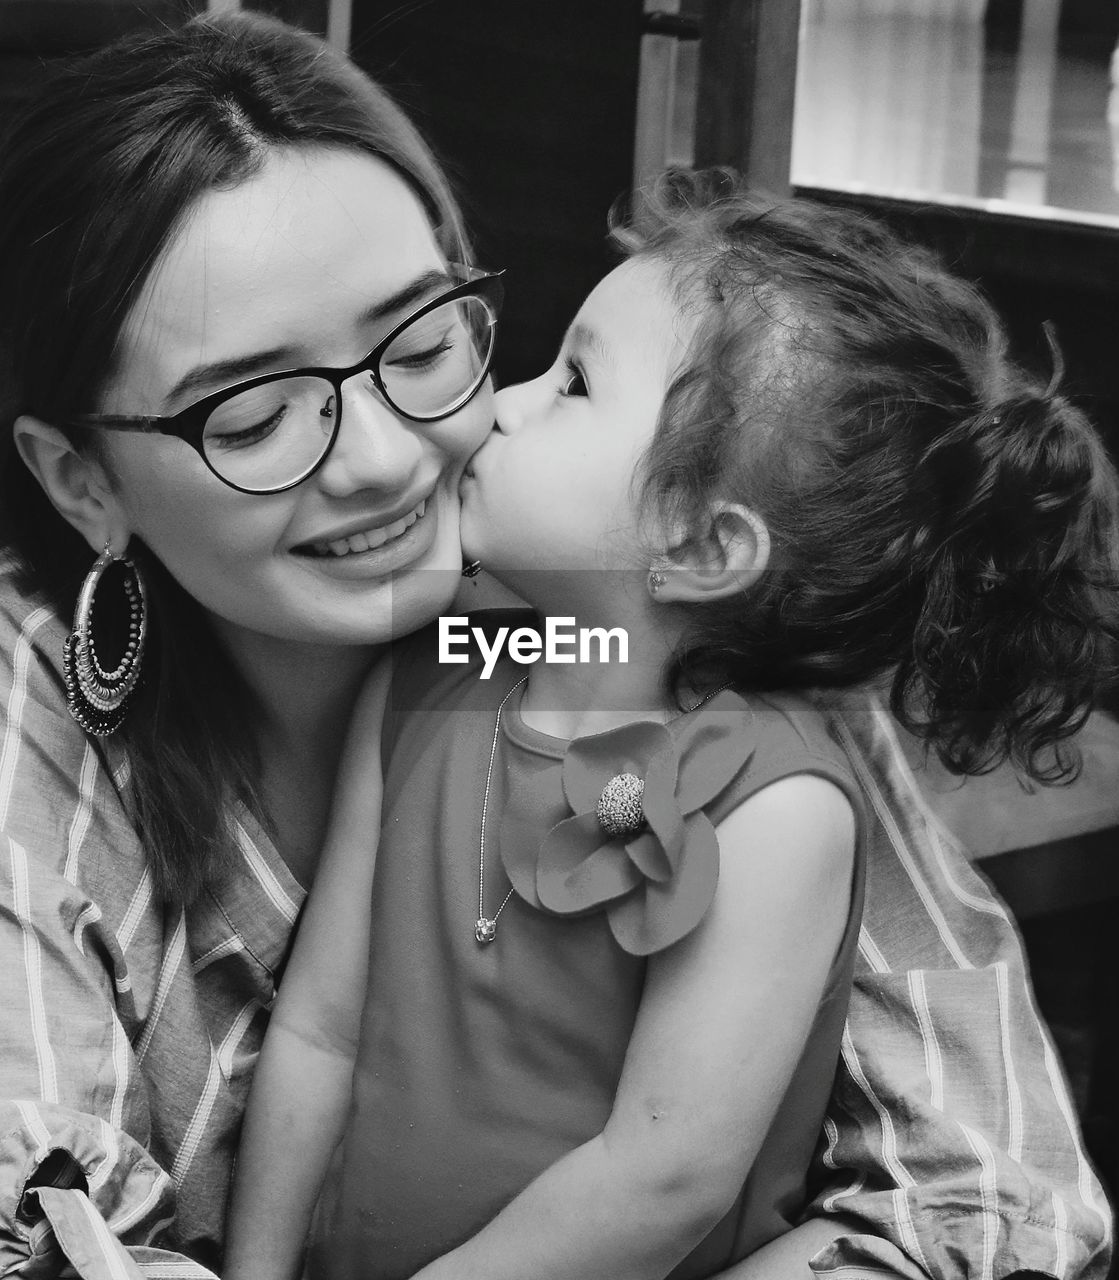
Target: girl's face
<point x="308" y="263"/>
<point x="552" y="487"/>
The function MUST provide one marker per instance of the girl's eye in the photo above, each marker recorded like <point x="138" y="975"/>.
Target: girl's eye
<point x="573" y="383"/>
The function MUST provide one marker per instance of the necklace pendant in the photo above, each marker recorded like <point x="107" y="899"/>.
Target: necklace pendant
<point x="485" y="930"/>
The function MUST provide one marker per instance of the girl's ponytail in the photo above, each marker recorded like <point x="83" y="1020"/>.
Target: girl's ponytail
<point x="1019" y="556"/>
<point x="937" y="518"/>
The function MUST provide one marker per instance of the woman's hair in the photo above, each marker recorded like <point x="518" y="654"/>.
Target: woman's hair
<point x="935" y="513"/>
<point x="96" y="176"/>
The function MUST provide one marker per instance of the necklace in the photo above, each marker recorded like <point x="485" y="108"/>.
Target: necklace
<point x="485" y="927"/>
<point x="705" y="699"/>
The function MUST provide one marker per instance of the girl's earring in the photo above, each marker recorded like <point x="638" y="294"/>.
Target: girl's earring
<point x="471" y="569"/>
<point x="98" y="699"/>
<point x="656" y="581"/>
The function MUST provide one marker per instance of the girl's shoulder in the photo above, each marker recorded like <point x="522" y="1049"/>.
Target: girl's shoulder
<point x="629" y="816"/>
<point x="772" y="736"/>
<point x="787" y="723"/>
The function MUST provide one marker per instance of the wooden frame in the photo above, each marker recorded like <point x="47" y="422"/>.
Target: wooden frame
<point x="747" y="88"/>
<point x="746" y="92"/>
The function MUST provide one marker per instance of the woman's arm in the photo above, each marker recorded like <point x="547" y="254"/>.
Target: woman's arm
<point x="987" y="1175"/>
<point x="301" y="1090"/>
<point x="78" y="1185"/>
<point x="722" y="1023"/>
<point x="82" y="948"/>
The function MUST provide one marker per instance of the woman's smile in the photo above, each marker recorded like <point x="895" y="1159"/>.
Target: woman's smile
<point x="375" y="549"/>
<point x="364" y="536"/>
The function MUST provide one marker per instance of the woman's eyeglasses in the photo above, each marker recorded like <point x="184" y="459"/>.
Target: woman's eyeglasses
<point x="271" y="433"/>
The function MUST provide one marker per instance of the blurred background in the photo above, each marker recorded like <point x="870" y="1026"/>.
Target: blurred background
<point x="987" y="128"/>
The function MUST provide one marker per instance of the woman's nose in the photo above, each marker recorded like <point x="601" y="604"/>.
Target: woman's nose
<point x="375" y="448"/>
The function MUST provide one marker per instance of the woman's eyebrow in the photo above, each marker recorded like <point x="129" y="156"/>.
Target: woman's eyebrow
<point x="419" y="290"/>
<point x="222" y="373"/>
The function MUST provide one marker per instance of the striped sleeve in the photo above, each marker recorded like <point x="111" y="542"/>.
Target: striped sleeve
<point x="77" y="1183"/>
<point x="80" y="1191"/>
<point x="951" y="1138"/>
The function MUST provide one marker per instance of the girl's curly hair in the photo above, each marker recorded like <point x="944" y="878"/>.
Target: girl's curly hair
<point x="935" y="513"/>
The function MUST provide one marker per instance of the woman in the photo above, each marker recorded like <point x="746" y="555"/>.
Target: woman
<point x="258" y="207"/>
<point x="233" y="202"/>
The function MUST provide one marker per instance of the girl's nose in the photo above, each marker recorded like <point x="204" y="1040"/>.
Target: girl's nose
<point x="375" y="448"/>
<point x="514" y="405"/>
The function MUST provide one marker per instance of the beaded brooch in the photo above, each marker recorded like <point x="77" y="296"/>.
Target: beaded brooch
<point x="636" y="843"/>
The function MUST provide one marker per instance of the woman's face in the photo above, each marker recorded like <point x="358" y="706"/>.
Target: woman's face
<point x="309" y="263"/>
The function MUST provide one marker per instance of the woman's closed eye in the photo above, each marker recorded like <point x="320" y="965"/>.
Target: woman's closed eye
<point x="420" y="359"/>
<point x="249" y="419"/>
<point x="572" y="381"/>
<point x="246" y="435"/>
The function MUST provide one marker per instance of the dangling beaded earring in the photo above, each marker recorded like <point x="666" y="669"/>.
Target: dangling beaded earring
<point x="98" y="699"/>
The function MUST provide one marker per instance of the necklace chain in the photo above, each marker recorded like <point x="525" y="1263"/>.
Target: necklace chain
<point x="485" y="927"/>
<point x="705" y="699"/>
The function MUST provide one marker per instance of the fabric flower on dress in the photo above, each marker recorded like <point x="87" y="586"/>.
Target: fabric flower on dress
<point x="625" y="829"/>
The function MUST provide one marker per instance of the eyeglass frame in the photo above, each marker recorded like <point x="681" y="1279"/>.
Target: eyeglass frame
<point x="189" y="424"/>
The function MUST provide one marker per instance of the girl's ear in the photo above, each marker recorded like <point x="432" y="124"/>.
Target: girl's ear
<point x="77" y="484"/>
<point x="725" y="563"/>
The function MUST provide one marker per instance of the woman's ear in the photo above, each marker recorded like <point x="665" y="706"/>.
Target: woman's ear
<point x="725" y="563"/>
<point x="76" y="483"/>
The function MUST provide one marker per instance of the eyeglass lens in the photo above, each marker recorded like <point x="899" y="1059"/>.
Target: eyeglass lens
<point x="275" y="434"/>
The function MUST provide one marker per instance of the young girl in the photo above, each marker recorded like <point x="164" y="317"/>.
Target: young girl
<point x="614" y="905"/>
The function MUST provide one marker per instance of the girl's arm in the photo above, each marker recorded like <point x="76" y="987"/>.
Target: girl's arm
<point x="301" y="1089"/>
<point x="721" y="1026"/>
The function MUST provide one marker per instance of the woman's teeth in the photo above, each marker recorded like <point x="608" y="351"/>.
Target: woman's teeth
<point x="367" y="539"/>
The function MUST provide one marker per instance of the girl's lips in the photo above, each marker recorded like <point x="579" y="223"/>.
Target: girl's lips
<point x="366" y="539"/>
<point x="469" y="472"/>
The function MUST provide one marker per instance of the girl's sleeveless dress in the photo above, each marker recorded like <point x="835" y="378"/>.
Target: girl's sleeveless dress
<point x="481" y="1065"/>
